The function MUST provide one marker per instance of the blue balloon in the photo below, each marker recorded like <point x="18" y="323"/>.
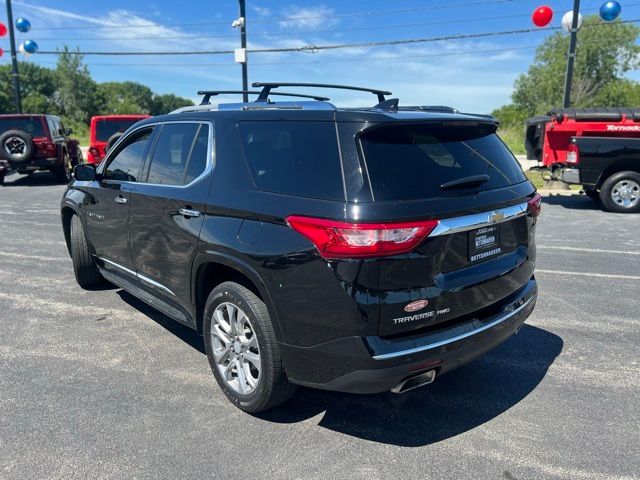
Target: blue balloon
<point x="609" y="11"/>
<point x="23" y="25"/>
<point x="30" y="46"/>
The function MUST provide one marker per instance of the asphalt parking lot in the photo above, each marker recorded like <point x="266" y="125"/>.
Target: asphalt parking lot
<point x="98" y="385"/>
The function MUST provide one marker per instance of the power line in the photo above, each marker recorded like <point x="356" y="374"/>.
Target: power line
<point x="318" y="48"/>
<point x="317" y="62"/>
<point x="293" y="18"/>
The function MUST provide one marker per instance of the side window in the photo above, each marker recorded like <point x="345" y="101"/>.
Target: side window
<point x="127" y="163"/>
<point x="53" y="131"/>
<point x="198" y="158"/>
<point x="170" y="157"/>
<point x="294" y="158"/>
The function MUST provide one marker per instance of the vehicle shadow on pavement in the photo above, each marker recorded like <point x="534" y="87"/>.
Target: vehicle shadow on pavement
<point x="455" y="403"/>
<point x="36" y="179"/>
<point x="573" y="202"/>
<point x="184" y="333"/>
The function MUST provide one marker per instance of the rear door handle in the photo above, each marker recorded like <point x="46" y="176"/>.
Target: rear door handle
<point x="120" y="199"/>
<point x="189" y="213"/>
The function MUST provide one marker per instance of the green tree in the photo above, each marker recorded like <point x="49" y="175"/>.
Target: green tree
<point x="76" y="92"/>
<point x="36" y="82"/>
<point x="125" y="97"/>
<point x="168" y="102"/>
<point x="605" y="53"/>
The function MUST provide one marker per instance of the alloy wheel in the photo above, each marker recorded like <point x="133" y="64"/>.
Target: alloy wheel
<point x="626" y="193"/>
<point x="16" y="147"/>
<point x="235" y="348"/>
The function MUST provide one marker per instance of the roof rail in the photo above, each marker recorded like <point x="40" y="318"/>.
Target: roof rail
<point x="268" y="86"/>
<point x="212" y="93"/>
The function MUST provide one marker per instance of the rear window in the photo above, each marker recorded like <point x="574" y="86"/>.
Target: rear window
<point x="31" y="125"/>
<point x="408" y="162"/>
<point x="105" y="129"/>
<point x="294" y="158"/>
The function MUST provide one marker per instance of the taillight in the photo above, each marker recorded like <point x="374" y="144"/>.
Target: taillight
<point x="359" y="240"/>
<point x="535" y="205"/>
<point x="573" y="154"/>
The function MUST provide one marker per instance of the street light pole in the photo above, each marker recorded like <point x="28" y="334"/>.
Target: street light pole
<point x="14" y="59"/>
<point x="243" y="46"/>
<point x="566" y="102"/>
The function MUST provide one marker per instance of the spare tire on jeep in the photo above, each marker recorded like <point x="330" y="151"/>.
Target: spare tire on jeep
<point x="17" y="145"/>
<point x="111" y="141"/>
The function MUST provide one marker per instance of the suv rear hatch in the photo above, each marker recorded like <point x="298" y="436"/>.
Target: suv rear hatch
<point x="462" y="174"/>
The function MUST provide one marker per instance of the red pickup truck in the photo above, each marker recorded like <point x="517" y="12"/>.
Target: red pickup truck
<point x="105" y="130"/>
<point x="598" y="148"/>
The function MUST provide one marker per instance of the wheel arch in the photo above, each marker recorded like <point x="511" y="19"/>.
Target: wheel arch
<point x="616" y="168"/>
<point x="211" y="269"/>
<point x="67" y="212"/>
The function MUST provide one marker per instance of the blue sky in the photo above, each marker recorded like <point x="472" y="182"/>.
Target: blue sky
<point x="472" y="75"/>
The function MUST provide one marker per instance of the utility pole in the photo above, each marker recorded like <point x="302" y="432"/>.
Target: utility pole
<point x="14" y="59"/>
<point x="566" y="102"/>
<point x="243" y="46"/>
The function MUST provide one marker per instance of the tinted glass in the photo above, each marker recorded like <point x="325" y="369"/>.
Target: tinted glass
<point x="295" y="158"/>
<point x="105" y="129"/>
<point x="31" y="125"/>
<point x="198" y="158"/>
<point x="128" y="163"/>
<point x="169" y="161"/>
<point x="412" y="162"/>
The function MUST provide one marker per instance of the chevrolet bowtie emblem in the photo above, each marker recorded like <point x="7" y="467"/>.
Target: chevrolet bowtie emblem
<point x="496" y="217"/>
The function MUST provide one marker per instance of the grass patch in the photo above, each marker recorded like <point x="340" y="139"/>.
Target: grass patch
<point x="513" y="136"/>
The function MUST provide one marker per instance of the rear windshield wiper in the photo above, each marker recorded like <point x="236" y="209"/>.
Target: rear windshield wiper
<point x="465" y="182"/>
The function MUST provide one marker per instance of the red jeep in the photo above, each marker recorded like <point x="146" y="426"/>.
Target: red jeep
<point x="37" y="142"/>
<point x="598" y="148"/>
<point x="105" y="130"/>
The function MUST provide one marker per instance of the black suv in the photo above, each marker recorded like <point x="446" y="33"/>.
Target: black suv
<point x="359" y="250"/>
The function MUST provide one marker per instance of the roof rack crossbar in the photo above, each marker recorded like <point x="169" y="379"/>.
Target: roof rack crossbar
<point x="267" y="86"/>
<point x="206" y="99"/>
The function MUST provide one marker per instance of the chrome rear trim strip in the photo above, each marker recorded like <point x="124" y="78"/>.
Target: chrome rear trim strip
<point x="138" y="276"/>
<point x="479" y="220"/>
<point x="497" y="321"/>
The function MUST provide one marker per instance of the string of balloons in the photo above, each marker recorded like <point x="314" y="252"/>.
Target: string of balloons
<point x="26" y="48"/>
<point x="543" y="15"/>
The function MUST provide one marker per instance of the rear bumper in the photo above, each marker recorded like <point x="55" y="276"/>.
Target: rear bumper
<point x="36" y="163"/>
<point x="373" y="364"/>
<point x="570" y="175"/>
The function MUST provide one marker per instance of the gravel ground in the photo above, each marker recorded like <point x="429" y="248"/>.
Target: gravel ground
<point x="98" y="385"/>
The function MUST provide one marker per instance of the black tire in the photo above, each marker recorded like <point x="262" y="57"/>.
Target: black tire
<point x="63" y="171"/>
<point x="112" y="139"/>
<point x="2" y="179"/>
<point x="84" y="268"/>
<point x="611" y="189"/>
<point x="17" y="146"/>
<point x="272" y="387"/>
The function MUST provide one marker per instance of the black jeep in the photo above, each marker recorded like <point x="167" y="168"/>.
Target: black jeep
<point x="37" y="142"/>
<point x="351" y="249"/>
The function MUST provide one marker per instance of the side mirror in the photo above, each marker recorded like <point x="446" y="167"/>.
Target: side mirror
<point x="68" y="131"/>
<point x="85" y="172"/>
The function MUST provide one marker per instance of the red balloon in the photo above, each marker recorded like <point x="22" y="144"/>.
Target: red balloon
<point x="3" y="29"/>
<point x="542" y="16"/>
<point x="1" y="52"/>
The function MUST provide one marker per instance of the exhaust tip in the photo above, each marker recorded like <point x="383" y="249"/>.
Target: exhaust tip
<point x="424" y="378"/>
